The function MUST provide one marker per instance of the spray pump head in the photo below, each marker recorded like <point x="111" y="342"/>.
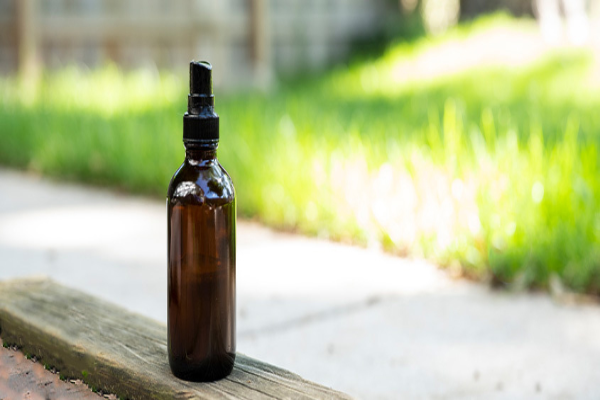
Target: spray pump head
<point x="200" y="122"/>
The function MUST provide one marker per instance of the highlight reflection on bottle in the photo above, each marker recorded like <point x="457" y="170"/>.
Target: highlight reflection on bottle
<point x="201" y="246"/>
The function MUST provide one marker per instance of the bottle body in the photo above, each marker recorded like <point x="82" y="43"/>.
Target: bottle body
<point x="201" y="213"/>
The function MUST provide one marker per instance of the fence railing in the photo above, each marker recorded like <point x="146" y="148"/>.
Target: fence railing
<point x="247" y="40"/>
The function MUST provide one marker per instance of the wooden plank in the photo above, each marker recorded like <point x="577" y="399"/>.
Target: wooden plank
<point x="124" y="353"/>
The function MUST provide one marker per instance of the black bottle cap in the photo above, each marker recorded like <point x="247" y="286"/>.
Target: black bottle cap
<point x="200" y="122"/>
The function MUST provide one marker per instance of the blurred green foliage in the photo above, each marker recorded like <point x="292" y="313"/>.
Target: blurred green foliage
<point x="493" y="167"/>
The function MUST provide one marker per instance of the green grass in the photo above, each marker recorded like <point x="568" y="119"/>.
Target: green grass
<point x="493" y="168"/>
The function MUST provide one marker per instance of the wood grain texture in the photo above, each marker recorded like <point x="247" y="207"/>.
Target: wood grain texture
<point x="124" y="353"/>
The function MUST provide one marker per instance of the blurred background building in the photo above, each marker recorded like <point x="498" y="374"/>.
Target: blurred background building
<point x="248" y="41"/>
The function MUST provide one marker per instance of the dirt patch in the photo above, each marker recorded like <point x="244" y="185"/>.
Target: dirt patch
<point x="22" y="378"/>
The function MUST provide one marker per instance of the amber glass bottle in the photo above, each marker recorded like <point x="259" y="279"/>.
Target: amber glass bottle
<point x="201" y="246"/>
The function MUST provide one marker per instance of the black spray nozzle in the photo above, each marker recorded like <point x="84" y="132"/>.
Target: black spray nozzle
<point x="200" y="122"/>
<point x="200" y="99"/>
<point x="201" y="78"/>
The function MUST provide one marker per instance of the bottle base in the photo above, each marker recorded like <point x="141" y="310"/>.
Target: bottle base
<point x="209" y="370"/>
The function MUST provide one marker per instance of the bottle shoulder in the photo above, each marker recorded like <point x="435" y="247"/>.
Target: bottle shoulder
<point x="208" y="183"/>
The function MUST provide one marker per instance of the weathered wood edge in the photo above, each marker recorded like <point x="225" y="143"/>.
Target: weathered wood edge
<point x="38" y="332"/>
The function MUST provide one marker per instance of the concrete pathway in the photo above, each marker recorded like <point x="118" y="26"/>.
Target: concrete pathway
<point x="360" y="321"/>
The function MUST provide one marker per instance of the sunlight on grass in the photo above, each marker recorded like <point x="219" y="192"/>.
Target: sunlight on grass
<point x="492" y="164"/>
<point x="496" y="41"/>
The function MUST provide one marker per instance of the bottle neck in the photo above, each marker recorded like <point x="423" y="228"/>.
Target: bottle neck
<point x="200" y="153"/>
